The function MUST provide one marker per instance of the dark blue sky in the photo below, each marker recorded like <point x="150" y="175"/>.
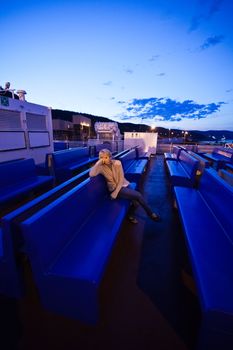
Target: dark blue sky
<point x="164" y="63"/>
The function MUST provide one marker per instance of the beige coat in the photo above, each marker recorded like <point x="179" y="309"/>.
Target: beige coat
<point x="113" y="174"/>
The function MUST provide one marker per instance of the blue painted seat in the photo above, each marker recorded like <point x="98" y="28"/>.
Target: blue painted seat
<point x="120" y="154"/>
<point x="11" y="240"/>
<point x="11" y="160"/>
<point x="133" y="167"/>
<point x="229" y="166"/>
<point x="206" y="215"/>
<point x="69" y="243"/>
<point x="183" y="172"/>
<point x="220" y="156"/>
<point x="60" y="145"/>
<point x="68" y="163"/>
<point x="127" y="159"/>
<point x="10" y="274"/>
<point x="1" y="243"/>
<point x="45" y="168"/>
<point x="141" y="154"/>
<point x="202" y="162"/>
<point x="19" y="179"/>
<point x="192" y="148"/>
<point x="226" y="176"/>
<point x="174" y="155"/>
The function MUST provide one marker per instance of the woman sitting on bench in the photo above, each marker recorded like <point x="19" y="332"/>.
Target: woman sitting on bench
<point x="118" y="186"/>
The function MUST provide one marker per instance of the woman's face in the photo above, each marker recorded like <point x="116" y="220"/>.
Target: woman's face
<point x="105" y="158"/>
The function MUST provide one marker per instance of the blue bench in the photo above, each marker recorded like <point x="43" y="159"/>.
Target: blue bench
<point x="206" y="215"/>
<point x="220" y="156"/>
<point x="69" y="162"/>
<point x="141" y="154"/>
<point x="229" y="166"/>
<point x="69" y="243"/>
<point x="202" y="162"/>
<point x="45" y="168"/>
<point x="11" y="240"/>
<point x="192" y="148"/>
<point x="18" y="179"/>
<point x="10" y="274"/>
<point x="60" y="145"/>
<point x="174" y="155"/>
<point x="226" y="176"/>
<point x="184" y="171"/>
<point x="133" y="167"/>
<point x="120" y="154"/>
<point x="11" y="160"/>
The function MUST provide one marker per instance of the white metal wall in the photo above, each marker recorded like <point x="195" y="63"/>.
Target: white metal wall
<point x="25" y="130"/>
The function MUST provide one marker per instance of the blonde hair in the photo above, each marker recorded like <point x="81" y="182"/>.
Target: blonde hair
<point x="106" y="151"/>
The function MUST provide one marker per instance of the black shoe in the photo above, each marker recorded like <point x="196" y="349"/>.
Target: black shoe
<point x="133" y="219"/>
<point x="155" y="217"/>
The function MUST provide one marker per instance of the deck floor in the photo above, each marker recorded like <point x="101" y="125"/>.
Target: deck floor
<point x="147" y="299"/>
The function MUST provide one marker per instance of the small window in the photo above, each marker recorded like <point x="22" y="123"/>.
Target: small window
<point x="10" y="120"/>
<point x="38" y="139"/>
<point x="36" y="121"/>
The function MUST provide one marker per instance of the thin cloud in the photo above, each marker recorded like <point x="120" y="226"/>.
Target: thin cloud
<point x="107" y="83"/>
<point x="215" y="7"/>
<point x="196" y="20"/>
<point x="212" y="41"/>
<point x="154" y="58"/>
<point x="128" y="70"/>
<point x="166" y="109"/>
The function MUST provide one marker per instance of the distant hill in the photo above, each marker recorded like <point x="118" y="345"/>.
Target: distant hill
<point x="196" y="135"/>
<point x="124" y="127"/>
<point x="211" y="135"/>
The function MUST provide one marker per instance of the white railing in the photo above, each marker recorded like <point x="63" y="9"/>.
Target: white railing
<point x="167" y="147"/>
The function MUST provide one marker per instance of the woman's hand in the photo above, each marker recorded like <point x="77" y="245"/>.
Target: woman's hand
<point x="99" y="162"/>
<point x="113" y="195"/>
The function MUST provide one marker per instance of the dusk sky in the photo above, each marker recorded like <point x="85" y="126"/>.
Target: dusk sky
<point x="161" y="63"/>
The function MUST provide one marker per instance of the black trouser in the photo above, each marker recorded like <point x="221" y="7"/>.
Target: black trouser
<point x="136" y="198"/>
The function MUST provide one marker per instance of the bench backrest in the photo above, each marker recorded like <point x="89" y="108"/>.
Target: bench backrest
<point x="128" y="158"/>
<point x="120" y="154"/>
<point x="10" y="281"/>
<point x="189" y="163"/>
<point x="50" y="229"/>
<point x="60" y="145"/>
<point x="190" y="147"/>
<point x="176" y="150"/>
<point x="203" y="163"/>
<point x="226" y="176"/>
<point x="140" y="152"/>
<point x="11" y="160"/>
<point x="11" y="240"/>
<point x="16" y="172"/>
<point x="225" y="153"/>
<point x="195" y="148"/>
<point x="13" y="218"/>
<point x="1" y="243"/>
<point x="69" y="156"/>
<point x="219" y="196"/>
